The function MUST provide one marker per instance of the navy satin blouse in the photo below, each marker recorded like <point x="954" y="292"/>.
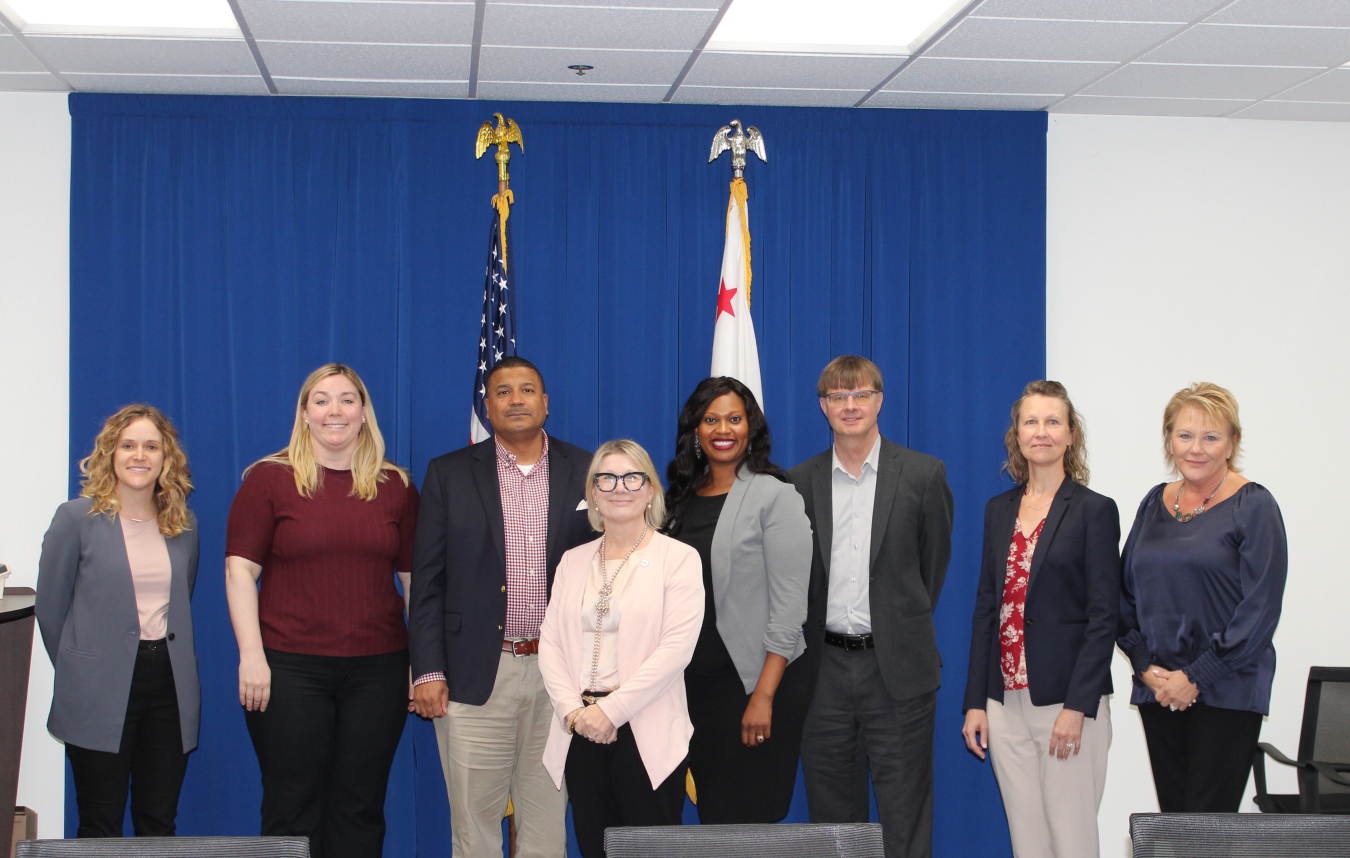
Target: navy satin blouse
<point x="1203" y="596"/>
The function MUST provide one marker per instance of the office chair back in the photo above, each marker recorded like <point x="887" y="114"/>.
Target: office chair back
<point x="1239" y="835"/>
<point x="861" y="840"/>
<point x="1326" y="725"/>
<point x="166" y="847"/>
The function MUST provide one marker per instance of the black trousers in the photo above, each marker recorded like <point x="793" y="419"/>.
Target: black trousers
<point x="1201" y="757"/>
<point x="150" y="760"/>
<point x="854" y="727"/>
<point x="738" y="785"/>
<point x="325" y="746"/>
<point x="609" y="787"/>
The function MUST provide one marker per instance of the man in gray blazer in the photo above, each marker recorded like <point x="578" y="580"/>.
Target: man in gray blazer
<point x="882" y="519"/>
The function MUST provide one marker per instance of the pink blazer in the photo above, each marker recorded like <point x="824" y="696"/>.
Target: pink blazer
<point x="661" y="620"/>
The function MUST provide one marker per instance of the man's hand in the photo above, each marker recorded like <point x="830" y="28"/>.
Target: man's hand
<point x="431" y="699"/>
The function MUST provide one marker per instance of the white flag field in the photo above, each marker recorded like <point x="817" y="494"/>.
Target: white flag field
<point x="735" y="351"/>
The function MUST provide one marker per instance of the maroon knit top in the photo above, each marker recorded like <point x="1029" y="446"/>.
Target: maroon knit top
<point x="327" y="585"/>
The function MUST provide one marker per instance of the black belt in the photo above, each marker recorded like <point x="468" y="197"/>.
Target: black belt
<point x="152" y="646"/>
<point x="593" y="696"/>
<point x="849" y="642"/>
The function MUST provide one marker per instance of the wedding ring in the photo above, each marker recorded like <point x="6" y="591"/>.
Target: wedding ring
<point x="1071" y="744"/>
<point x="1172" y="706"/>
<point x="759" y="738"/>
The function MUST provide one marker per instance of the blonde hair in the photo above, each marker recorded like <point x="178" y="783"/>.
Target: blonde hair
<point x="368" y="462"/>
<point x="656" y="513"/>
<point x="171" y="488"/>
<point x="1219" y="407"/>
<point x="847" y="372"/>
<point x="1075" y="457"/>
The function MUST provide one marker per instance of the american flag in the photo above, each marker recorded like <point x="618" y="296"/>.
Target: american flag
<point x="498" y="337"/>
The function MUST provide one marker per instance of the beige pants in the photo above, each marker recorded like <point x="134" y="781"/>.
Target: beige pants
<point x="1051" y="803"/>
<point x="495" y="751"/>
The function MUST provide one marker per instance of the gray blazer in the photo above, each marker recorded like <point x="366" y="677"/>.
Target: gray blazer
<point x="86" y="609"/>
<point x="911" y="546"/>
<point x="761" y="570"/>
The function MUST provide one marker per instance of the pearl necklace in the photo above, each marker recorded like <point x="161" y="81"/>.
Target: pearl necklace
<point x="602" y="602"/>
<point x="1185" y="517"/>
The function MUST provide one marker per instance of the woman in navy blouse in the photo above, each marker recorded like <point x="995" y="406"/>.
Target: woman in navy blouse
<point x="1204" y="572"/>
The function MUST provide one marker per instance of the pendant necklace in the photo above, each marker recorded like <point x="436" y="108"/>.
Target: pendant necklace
<point x="602" y="603"/>
<point x="1184" y="517"/>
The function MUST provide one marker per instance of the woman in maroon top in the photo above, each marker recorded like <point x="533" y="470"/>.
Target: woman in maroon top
<point x="316" y="535"/>
<point x="1044" y="631"/>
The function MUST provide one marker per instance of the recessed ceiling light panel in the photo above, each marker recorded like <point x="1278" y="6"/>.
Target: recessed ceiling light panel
<point x="144" y="17"/>
<point x="839" y="26"/>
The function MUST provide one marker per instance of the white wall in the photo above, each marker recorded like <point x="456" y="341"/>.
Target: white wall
<point x="1185" y="250"/>
<point x="34" y="385"/>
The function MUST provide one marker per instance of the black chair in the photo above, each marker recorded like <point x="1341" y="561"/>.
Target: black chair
<point x="858" y="840"/>
<point x="1238" y="835"/>
<point x="166" y="847"/>
<point x="1323" y="750"/>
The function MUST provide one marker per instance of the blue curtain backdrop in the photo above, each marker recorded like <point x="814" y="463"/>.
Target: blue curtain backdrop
<point x="221" y="248"/>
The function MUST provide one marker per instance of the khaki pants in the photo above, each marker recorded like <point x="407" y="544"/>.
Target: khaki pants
<point x="495" y="751"/>
<point x="1051" y="803"/>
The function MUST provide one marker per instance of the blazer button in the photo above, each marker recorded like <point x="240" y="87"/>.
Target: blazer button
<point x="170" y="635"/>
<point x="503" y="588"/>
<point x="499" y="628"/>
<point x="1031" y="622"/>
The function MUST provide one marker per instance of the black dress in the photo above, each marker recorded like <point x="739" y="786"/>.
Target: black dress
<point x="735" y="784"/>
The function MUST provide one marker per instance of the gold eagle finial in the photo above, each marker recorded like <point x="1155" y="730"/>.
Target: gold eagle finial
<point x="506" y="133"/>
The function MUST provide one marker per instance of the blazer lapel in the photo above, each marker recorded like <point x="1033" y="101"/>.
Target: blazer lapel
<point x="490" y="493"/>
<point x="888" y="479"/>
<point x="559" y="480"/>
<point x="1052" y="520"/>
<point x="822" y="492"/>
<point x="721" y="544"/>
<point x="1005" y="535"/>
<point x="113" y="525"/>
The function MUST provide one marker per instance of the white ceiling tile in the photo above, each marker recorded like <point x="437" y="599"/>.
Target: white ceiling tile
<point x="1029" y="39"/>
<point x="1301" y="111"/>
<point x="748" y="95"/>
<point x="14" y="57"/>
<point x="169" y="83"/>
<point x="591" y="27"/>
<point x="961" y="100"/>
<point x="935" y="74"/>
<point x="1183" y="11"/>
<point x="1332" y="86"/>
<point x="1148" y="106"/>
<point x="792" y="71"/>
<point x="314" y="21"/>
<point x="373" y="88"/>
<point x="127" y="55"/>
<point x="657" y="68"/>
<point x="1227" y="44"/>
<point x="509" y="91"/>
<point x="1289" y="13"/>
<point x="29" y="82"/>
<point x="366" y="62"/>
<point x="1179" y="81"/>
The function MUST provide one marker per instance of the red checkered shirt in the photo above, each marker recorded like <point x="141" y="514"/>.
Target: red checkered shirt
<point x="525" y="515"/>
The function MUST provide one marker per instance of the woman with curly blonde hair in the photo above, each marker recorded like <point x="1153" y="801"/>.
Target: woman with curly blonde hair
<point x="317" y="533"/>
<point x="124" y="554"/>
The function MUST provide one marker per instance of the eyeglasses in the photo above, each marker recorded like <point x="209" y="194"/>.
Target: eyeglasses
<point x="862" y="397"/>
<point x="633" y="480"/>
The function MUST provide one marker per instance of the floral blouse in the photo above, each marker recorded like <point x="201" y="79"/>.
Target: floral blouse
<point x="1011" y="644"/>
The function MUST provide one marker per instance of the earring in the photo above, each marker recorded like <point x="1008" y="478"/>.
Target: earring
<point x="698" y="449"/>
<point x="749" y="446"/>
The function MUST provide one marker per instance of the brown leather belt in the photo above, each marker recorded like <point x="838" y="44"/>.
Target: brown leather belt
<point x="521" y="647"/>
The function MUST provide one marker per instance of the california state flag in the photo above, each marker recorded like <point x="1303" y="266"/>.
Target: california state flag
<point x="735" y="352"/>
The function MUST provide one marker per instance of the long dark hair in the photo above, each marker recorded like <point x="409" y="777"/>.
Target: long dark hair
<point x="687" y="471"/>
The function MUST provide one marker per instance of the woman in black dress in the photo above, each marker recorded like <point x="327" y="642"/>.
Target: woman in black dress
<point x="747" y="688"/>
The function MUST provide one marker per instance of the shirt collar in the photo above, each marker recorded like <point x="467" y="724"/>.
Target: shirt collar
<point x="873" y="456"/>
<point x="509" y="458"/>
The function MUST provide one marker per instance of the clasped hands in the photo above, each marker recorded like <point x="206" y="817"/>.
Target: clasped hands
<point x="1171" y="688"/>
<point x="591" y="722"/>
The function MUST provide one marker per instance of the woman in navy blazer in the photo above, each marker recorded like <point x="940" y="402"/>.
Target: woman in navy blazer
<point x="114" y="598"/>
<point x="1044" y="632"/>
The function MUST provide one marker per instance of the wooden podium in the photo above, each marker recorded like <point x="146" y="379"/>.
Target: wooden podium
<point x="16" y="655"/>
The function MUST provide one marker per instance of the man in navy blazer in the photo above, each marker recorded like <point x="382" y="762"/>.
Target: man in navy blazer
<point x="495" y="518"/>
<point x="882" y="519"/>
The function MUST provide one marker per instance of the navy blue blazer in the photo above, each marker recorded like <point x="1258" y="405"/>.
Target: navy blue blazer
<point x="1073" y="600"/>
<point x="457" y="605"/>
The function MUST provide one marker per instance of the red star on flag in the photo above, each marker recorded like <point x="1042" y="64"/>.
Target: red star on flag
<point x="724" y="296"/>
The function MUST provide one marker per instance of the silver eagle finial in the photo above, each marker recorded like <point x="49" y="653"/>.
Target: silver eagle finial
<point x="739" y="143"/>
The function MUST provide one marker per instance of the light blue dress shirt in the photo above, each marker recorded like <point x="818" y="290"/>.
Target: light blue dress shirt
<point x="848" y="609"/>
